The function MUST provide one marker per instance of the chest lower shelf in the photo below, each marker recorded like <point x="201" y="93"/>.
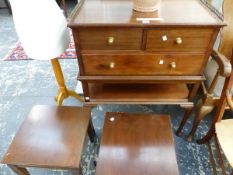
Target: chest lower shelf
<point x="111" y="93"/>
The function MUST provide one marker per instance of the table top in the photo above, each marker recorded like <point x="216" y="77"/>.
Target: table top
<point x="137" y="144"/>
<point x="50" y="137"/>
<point x="121" y="13"/>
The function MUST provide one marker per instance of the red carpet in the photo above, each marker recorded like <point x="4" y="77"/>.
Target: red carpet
<point x="18" y="53"/>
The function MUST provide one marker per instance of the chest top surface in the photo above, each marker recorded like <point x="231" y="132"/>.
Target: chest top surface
<point x="121" y="13"/>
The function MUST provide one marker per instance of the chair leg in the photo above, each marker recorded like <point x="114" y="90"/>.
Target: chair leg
<point x="184" y="120"/>
<point x="208" y="135"/>
<point x="211" y="156"/>
<point x="91" y="131"/>
<point x="18" y="170"/>
<point x="202" y="111"/>
<point x="219" y="155"/>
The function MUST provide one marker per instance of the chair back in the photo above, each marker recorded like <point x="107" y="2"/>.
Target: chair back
<point x="226" y="43"/>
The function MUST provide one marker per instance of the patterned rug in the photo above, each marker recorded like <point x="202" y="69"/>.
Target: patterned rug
<point x="18" y="53"/>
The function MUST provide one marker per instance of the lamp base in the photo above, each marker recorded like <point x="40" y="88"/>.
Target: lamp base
<point x="63" y="91"/>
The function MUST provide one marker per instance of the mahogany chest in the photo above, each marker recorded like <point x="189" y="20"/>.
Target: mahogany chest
<point x="131" y="57"/>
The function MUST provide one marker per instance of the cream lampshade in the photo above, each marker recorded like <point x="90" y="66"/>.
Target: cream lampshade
<point x="41" y="27"/>
<point x="42" y="30"/>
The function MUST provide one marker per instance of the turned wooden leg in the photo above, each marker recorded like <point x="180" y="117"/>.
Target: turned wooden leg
<point x="63" y="91"/>
<point x="210" y="132"/>
<point x="202" y="111"/>
<point x="18" y="170"/>
<point x="193" y="91"/>
<point x="91" y="131"/>
<point x="60" y="99"/>
<point x="75" y="95"/>
<point x="184" y="120"/>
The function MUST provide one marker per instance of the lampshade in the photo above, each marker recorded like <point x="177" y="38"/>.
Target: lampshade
<point x="41" y="28"/>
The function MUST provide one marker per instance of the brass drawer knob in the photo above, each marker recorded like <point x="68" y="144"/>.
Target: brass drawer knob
<point x="110" y="40"/>
<point x="173" y="65"/>
<point x="111" y="65"/>
<point x="179" y="40"/>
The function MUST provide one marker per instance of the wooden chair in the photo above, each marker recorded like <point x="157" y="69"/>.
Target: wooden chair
<point x="222" y="130"/>
<point x="218" y="68"/>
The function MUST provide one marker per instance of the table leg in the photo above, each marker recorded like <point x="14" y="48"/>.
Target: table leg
<point x="18" y="170"/>
<point x="201" y="112"/>
<point x="193" y="91"/>
<point x="184" y="120"/>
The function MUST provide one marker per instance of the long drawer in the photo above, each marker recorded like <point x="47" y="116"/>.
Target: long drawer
<point x="158" y="64"/>
<point x="110" y="39"/>
<point x="182" y="40"/>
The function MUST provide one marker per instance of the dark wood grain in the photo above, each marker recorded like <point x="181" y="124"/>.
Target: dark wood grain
<point x="193" y="39"/>
<point x="97" y="38"/>
<point x="50" y="137"/>
<point x="142" y="79"/>
<point x="143" y="64"/>
<point x="107" y="13"/>
<point x="134" y="56"/>
<point x="138" y="93"/>
<point x="136" y="144"/>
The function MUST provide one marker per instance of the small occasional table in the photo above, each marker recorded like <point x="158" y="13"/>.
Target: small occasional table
<point x="50" y="137"/>
<point x="136" y="144"/>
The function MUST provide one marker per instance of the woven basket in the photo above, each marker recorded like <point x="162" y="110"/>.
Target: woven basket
<point x="146" y="5"/>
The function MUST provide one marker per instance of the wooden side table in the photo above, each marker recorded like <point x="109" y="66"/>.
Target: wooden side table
<point x="137" y="144"/>
<point x="50" y="137"/>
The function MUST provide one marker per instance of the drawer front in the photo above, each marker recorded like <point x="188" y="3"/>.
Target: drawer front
<point x="143" y="64"/>
<point x="178" y="40"/>
<point x="110" y="39"/>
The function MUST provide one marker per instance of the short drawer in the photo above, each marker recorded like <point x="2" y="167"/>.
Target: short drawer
<point x="143" y="64"/>
<point x="110" y="39"/>
<point x="187" y="39"/>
